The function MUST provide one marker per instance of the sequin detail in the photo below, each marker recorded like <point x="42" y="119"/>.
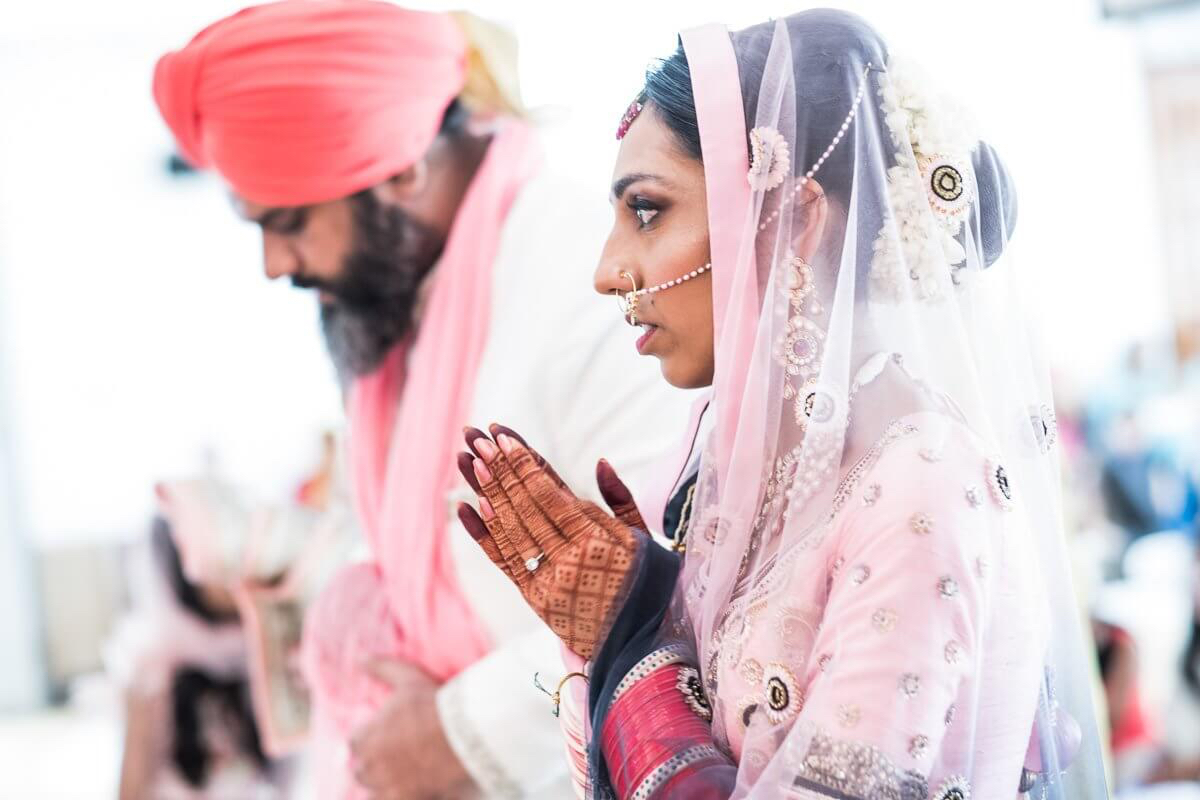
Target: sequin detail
<point x="950" y="712"/>
<point x="953" y="788"/>
<point x="998" y="482"/>
<point x="921" y="523"/>
<point x="849" y="715"/>
<point x="871" y="494"/>
<point x="782" y="700"/>
<point x="918" y="746"/>
<point x="770" y="160"/>
<point x="953" y="652"/>
<point x="1045" y="427"/>
<point x="823" y="662"/>
<point x="853" y="770"/>
<point x="860" y="574"/>
<point x="690" y="685"/>
<point x="910" y="684"/>
<point x="947" y="587"/>
<point x="974" y="496"/>
<point x="884" y="620"/>
<point x="948" y="191"/>
<point x="751" y="671"/>
<point x="775" y="576"/>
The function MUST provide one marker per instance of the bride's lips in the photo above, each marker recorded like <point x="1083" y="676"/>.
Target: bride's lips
<point x="649" y="331"/>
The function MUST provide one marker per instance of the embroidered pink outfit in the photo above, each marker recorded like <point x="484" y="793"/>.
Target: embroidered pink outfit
<point x="869" y="640"/>
<point x="874" y="602"/>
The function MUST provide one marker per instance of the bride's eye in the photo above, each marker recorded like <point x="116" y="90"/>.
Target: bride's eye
<point x="644" y="210"/>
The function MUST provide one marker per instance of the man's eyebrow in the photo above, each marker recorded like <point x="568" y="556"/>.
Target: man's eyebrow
<point x="280" y="218"/>
<point x="621" y="184"/>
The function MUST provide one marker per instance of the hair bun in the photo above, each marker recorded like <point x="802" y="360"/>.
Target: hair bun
<point x="996" y="206"/>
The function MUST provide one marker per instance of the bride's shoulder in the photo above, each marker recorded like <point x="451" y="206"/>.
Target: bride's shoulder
<point x="935" y="461"/>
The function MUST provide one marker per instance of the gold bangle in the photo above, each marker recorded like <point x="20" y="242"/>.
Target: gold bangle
<point x="556" y="695"/>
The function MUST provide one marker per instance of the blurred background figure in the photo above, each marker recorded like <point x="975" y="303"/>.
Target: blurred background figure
<point x="133" y="319"/>
<point x="207" y="657"/>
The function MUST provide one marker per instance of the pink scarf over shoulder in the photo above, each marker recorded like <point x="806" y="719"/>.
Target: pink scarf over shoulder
<point x="406" y="423"/>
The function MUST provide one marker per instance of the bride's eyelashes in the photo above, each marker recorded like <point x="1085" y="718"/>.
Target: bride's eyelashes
<point x="645" y="211"/>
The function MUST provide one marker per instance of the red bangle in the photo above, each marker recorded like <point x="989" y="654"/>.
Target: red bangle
<point x="652" y="731"/>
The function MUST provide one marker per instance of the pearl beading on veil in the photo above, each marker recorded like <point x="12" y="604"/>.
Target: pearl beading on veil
<point x="800" y="184"/>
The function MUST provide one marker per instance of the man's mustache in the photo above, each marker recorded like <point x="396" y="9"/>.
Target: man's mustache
<point x="353" y="298"/>
<point x="301" y="282"/>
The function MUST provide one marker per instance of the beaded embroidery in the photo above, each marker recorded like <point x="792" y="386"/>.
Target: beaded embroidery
<point x="954" y="788"/>
<point x="997" y="478"/>
<point x="692" y="689"/>
<point x="856" y="771"/>
<point x="781" y="696"/>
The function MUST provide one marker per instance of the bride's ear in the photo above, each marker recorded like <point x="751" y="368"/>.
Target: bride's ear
<point x="810" y="216"/>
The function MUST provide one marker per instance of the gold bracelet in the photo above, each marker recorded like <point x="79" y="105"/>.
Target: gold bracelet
<point x="556" y="695"/>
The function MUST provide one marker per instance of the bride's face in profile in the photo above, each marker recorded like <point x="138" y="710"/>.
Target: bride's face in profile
<point x="660" y="233"/>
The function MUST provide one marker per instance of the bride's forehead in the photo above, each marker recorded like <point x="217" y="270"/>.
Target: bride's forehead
<point x="649" y="146"/>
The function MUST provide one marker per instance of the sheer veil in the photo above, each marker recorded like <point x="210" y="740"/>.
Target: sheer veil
<point x="907" y="304"/>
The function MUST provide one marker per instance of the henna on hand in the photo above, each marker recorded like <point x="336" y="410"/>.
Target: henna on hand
<point x="569" y="557"/>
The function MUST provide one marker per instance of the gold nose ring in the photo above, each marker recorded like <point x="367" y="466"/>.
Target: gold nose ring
<point x="629" y="300"/>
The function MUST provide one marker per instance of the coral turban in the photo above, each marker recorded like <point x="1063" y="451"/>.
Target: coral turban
<point x="305" y="101"/>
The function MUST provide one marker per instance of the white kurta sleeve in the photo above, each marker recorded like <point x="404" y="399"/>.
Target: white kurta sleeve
<point x="489" y="713"/>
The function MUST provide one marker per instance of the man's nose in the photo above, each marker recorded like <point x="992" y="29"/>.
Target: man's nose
<point x="279" y="259"/>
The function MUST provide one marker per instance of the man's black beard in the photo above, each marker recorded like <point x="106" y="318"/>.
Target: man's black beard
<point x="374" y="298"/>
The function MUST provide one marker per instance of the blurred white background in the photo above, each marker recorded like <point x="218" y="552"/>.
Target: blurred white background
<point x="139" y="339"/>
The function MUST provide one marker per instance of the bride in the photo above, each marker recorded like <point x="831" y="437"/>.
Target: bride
<point x="866" y="596"/>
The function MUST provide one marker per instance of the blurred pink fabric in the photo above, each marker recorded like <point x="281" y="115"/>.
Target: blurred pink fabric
<point x="405" y="427"/>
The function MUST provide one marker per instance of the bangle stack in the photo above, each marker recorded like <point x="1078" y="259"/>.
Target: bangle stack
<point x="656" y="728"/>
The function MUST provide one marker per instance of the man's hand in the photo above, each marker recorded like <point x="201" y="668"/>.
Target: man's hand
<point x="402" y="752"/>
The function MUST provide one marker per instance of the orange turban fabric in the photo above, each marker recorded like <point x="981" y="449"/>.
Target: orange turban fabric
<point x="304" y="101"/>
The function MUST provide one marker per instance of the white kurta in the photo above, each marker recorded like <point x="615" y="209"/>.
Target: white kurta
<point x="561" y="369"/>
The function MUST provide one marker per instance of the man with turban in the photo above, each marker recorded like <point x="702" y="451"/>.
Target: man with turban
<point x="382" y="153"/>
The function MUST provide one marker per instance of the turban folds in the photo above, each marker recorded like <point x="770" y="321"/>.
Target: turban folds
<point x="304" y="101"/>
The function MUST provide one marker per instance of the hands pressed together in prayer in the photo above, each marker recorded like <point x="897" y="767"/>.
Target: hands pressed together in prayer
<point x="569" y="557"/>
<point x="402" y="753"/>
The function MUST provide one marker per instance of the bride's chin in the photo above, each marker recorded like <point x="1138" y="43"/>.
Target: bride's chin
<point x="674" y="372"/>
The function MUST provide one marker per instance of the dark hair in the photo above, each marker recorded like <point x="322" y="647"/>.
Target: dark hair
<point x="188" y="594"/>
<point x="834" y="47"/>
<point x="454" y="120"/>
<point x="190" y="689"/>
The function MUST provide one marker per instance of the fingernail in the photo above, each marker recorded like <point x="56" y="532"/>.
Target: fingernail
<point x="506" y="443"/>
<point x="486" y="449"/>
<point x="465" y="512"/>
<point x="485" y="508"/>
<point x="465" y="466"/>
<point x="473" y="435"/>
<point x="481" y="472"/>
